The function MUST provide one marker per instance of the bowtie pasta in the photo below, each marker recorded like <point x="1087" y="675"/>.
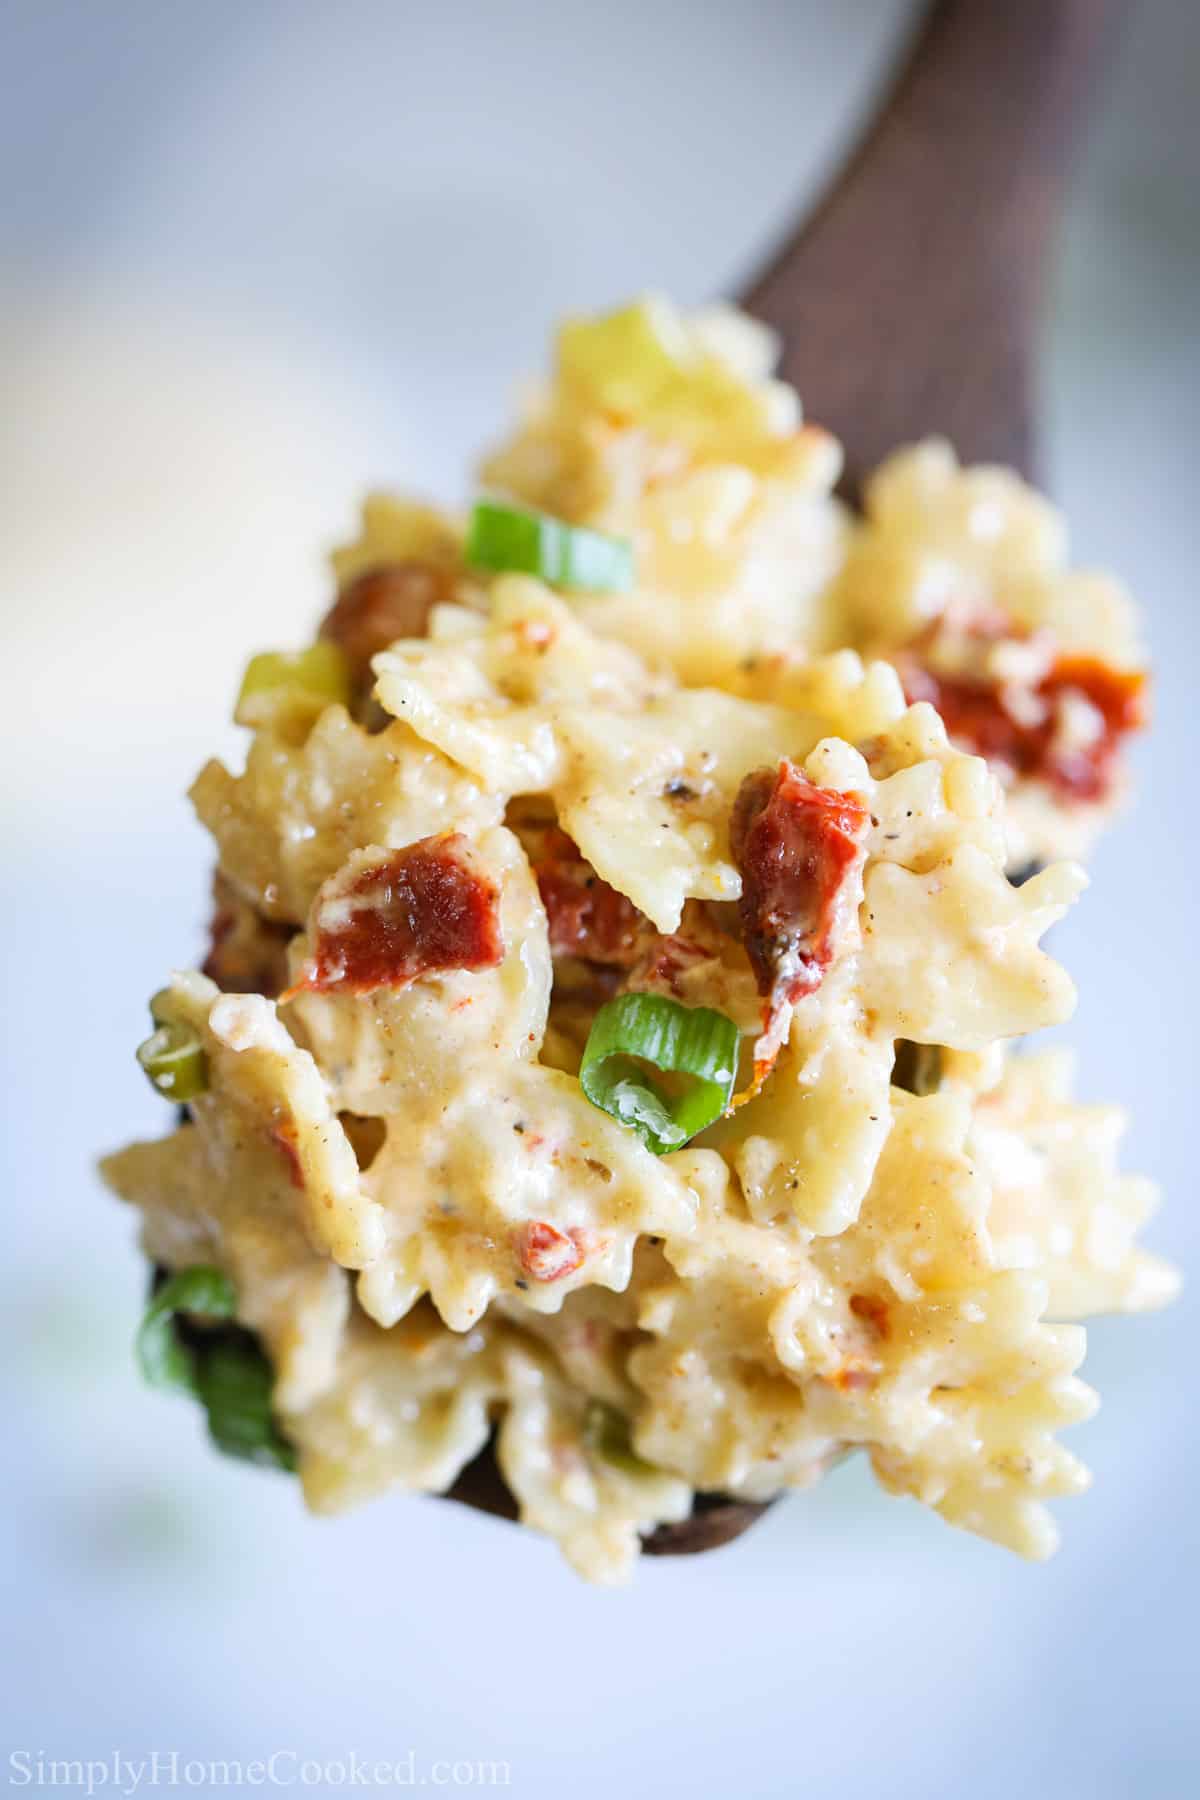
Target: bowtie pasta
<point x="603" y="1059"/>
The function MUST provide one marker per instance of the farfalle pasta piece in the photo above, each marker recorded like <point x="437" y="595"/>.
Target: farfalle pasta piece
<point x="296" y="812"/>
<point x="983" y="975"/>
<point x="933" y="530"/>
<point x="573" y="1474"/>
<point x="406" y="1408"/>
<point x="732" y="1422"/>
<point x="899" y="1334"/>
<point x="618" y="795"/>
<point x="511" y="1183"/>
<point x="965" y="1381"/>
<point x="1060" y="1203"/>
<point x="987" y="1459"/>
<point x="398" y="1047"/>
<point x="261" y="1181"/>
<point x="532" y="702"/>
<point x="667" y="428"/>
<point x="487" y="692"/>
<point x="409" y="1407"/>
<point x="810" y="1144"/>
<point x="971" y="1382"/>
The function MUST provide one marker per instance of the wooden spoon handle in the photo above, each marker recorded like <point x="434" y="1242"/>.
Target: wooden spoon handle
<point x="908" y="301"/>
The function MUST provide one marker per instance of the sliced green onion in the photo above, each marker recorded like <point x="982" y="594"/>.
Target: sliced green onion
<point x="230" y="1375"/>
<point x="607" y="1434"/>
<point x="174" y="1061"/>
<point x="693" y="1042"/>
<point x="506" y="538"/>
<point x="292" y="682"/>
<point x="163" y="1360"/>
<point x="234" y="1383"/>
<point x="918" y="1067"/>
<point x="160" y="1006"/>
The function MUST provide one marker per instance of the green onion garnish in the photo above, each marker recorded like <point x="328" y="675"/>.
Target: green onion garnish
<point x="918" y="1067"/>
<point x="235" y="1383"/>
<point x="163" y="1360"/>
<point x="229" y="1375"/>
<point x="174" y="1061"/>
<point x="507" y="539"/>
<point x="294" y="682"/>
<point x="694" y="1043"/>
<point x="607" y="1434"/>
<point x="161" y="1006"/>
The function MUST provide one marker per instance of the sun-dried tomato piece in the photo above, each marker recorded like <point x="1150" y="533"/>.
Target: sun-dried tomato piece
<point x="401" y="914"/>
<point x="587" y="918"/>
<point x="1119" y="698"/>
<point x="390" y="602"/>
<point x="800" y="851"/>
<point x="547" y="1254"/>
<point x="1031" y="740"/>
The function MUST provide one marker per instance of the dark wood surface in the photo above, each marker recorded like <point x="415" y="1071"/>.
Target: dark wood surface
<point x="908" y="303"/>
<point x="909" y="300"/>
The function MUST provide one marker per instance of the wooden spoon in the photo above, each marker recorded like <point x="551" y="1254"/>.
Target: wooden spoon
<point x="909" y="301"/>
<point x="908" y="304"/>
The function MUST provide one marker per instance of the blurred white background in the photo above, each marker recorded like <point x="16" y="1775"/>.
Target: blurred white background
<point x="254" y="257"/>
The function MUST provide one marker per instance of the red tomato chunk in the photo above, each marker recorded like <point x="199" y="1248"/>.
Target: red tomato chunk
<point x="975" y="716"/>
<point x="390" y="602"/>
<point x="797" y="847"/>
<point x="547" y="1254"/>
<point x="423" y="910"/>
<point x="587" y="917"/>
